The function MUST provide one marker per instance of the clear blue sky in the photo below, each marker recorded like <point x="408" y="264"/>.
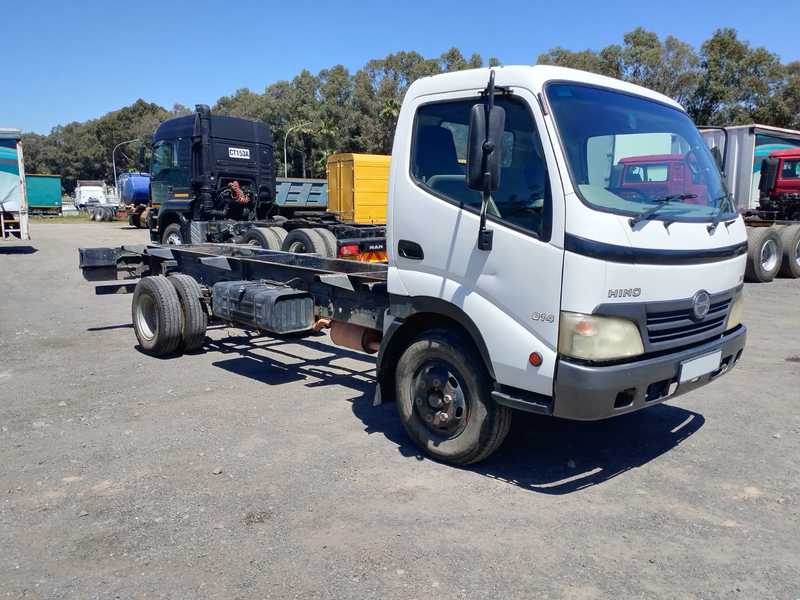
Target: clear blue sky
<point x="76" y="60"/>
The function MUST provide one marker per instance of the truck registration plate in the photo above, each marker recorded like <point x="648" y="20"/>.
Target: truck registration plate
<point x="696" y="367"/>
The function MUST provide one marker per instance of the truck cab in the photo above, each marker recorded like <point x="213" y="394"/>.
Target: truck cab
<point x="661" y="175"/>
<point x="595" y="297"/>
<point x="779" y="185"/>
<point x="208" y="167"/>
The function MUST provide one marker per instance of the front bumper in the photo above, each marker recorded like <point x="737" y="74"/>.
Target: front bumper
<point x="588" y="393"/>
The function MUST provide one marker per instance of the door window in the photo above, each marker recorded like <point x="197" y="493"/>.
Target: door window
<point x="438" y="164"/>
<point x="162" y="157"/>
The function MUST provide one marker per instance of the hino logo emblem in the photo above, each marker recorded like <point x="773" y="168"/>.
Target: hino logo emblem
<point x="700" y="304"/>
<point x="625" y="293"/>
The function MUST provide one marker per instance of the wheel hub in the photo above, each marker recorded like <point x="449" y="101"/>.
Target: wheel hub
<point x="439" y="401"/>
<point x="769" y="255"/>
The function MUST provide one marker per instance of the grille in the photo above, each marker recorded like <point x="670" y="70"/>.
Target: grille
<point x="676" y="326"/>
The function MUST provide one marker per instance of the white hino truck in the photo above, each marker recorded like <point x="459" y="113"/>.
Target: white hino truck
<point x="526" y="269"/>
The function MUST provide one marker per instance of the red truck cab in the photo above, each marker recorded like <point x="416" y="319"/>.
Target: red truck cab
<point x="662" y="175"/>
<point x="788" y="172"/>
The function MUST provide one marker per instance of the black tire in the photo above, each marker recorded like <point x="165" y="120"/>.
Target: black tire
<point x="157" y="316"/>
<point x="442" y="364"/>
<point x="265" y="237"/>
<point x="790" y="245"/>
<point x="281" y="233"/>
<point x="304" y="241"/>
<point x="331" y="245"/>
<point x="134" y="220"/>
<point x="195" y="318"/>
<point x="257" y="236"/>
<point x="172" y="235"/>
<point x="763" y="254"/>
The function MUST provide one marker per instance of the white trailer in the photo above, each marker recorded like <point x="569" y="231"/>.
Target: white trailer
<point x="773" y="235"/>
<point x="13" y="196"/>
<point x="518" y="278"/>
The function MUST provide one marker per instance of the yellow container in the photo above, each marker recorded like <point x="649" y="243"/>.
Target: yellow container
<point x="358" y="185"/>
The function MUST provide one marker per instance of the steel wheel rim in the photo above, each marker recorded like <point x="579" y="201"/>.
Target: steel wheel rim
<point x="146" y="317"/>
<point x="769" y="255"/>
<point x="298" y="248"/>
<point x="174" y="239"/>
<point x="438" y="398"/>
<point x="797" y="253"/>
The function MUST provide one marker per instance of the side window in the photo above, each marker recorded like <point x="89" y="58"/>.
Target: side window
<point x="439" y="155"/>
<point x="176" y="147"/>
<point x="161" y="157"/>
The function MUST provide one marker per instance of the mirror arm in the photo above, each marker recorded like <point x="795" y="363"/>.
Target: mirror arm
<point x="485" y="236"/>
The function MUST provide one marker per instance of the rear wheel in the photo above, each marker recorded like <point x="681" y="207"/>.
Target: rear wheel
<point x="763" y="254"/>
<point x="304" y="241"/>
<point x="444" y="399"/>
<point x="790" y="243"/>
<point x="157" y="316"/>
<point x="172" y="235"/>
<point x="269" y="238"/>
<point x="193" y="308"/>
<point x="331" y="245"/>
<point x="257" y="236"/>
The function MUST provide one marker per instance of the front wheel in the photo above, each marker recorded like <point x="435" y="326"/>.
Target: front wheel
<point x="444" y="399"/>
<point x="172" y="235"/>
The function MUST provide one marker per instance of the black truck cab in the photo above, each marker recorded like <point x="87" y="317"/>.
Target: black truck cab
<point x="208" y="167"/>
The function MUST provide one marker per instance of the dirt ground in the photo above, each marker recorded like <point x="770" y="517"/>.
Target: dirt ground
<point x="258" y="468"/>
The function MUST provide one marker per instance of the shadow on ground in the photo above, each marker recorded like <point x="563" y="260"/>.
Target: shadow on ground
<point x="541" y="454"/>
<point x="17" y="249"/>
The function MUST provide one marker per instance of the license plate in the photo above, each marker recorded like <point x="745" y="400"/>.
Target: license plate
<point x="699" y="366"/>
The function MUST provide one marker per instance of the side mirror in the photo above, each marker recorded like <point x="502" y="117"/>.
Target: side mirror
<point x="485" y="143"/>
<point x="717" y="157"/>
<point x="140" y="162"/>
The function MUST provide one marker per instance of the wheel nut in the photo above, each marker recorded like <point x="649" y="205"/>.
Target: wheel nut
<point x="429" y="418"/>
<point x="448" y="398"/>
<point x="418" y="401"/>
<point x="442" y="417"/>
<point x="421" y="384"/>
<point x="437" y="382"/>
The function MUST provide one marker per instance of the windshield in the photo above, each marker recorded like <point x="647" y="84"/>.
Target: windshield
<point x="627" y="155"/>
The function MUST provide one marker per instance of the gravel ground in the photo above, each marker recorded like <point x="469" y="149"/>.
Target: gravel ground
<point x="258" y="468"/>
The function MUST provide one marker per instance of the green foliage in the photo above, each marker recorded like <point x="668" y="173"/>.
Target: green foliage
<point x="726" y="83"/>
<point x="83" y="150"/>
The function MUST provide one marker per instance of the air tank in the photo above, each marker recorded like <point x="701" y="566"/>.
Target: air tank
<point x="132" y="188"/>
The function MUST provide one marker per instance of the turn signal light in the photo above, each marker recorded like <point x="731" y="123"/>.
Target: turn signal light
<point x="535" y="359"/>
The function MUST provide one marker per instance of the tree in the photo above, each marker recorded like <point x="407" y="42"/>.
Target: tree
<point x="736" y="83"/>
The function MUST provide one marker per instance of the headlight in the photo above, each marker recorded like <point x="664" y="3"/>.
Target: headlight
<point x="592" y="337"/>
<point x="735" y="316"/>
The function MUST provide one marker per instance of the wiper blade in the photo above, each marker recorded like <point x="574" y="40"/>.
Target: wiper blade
<point x="662" y="203"/>
<point x="726" y="200"/>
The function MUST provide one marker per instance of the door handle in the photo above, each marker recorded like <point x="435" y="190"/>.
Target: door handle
<point x="410" y="250"/>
